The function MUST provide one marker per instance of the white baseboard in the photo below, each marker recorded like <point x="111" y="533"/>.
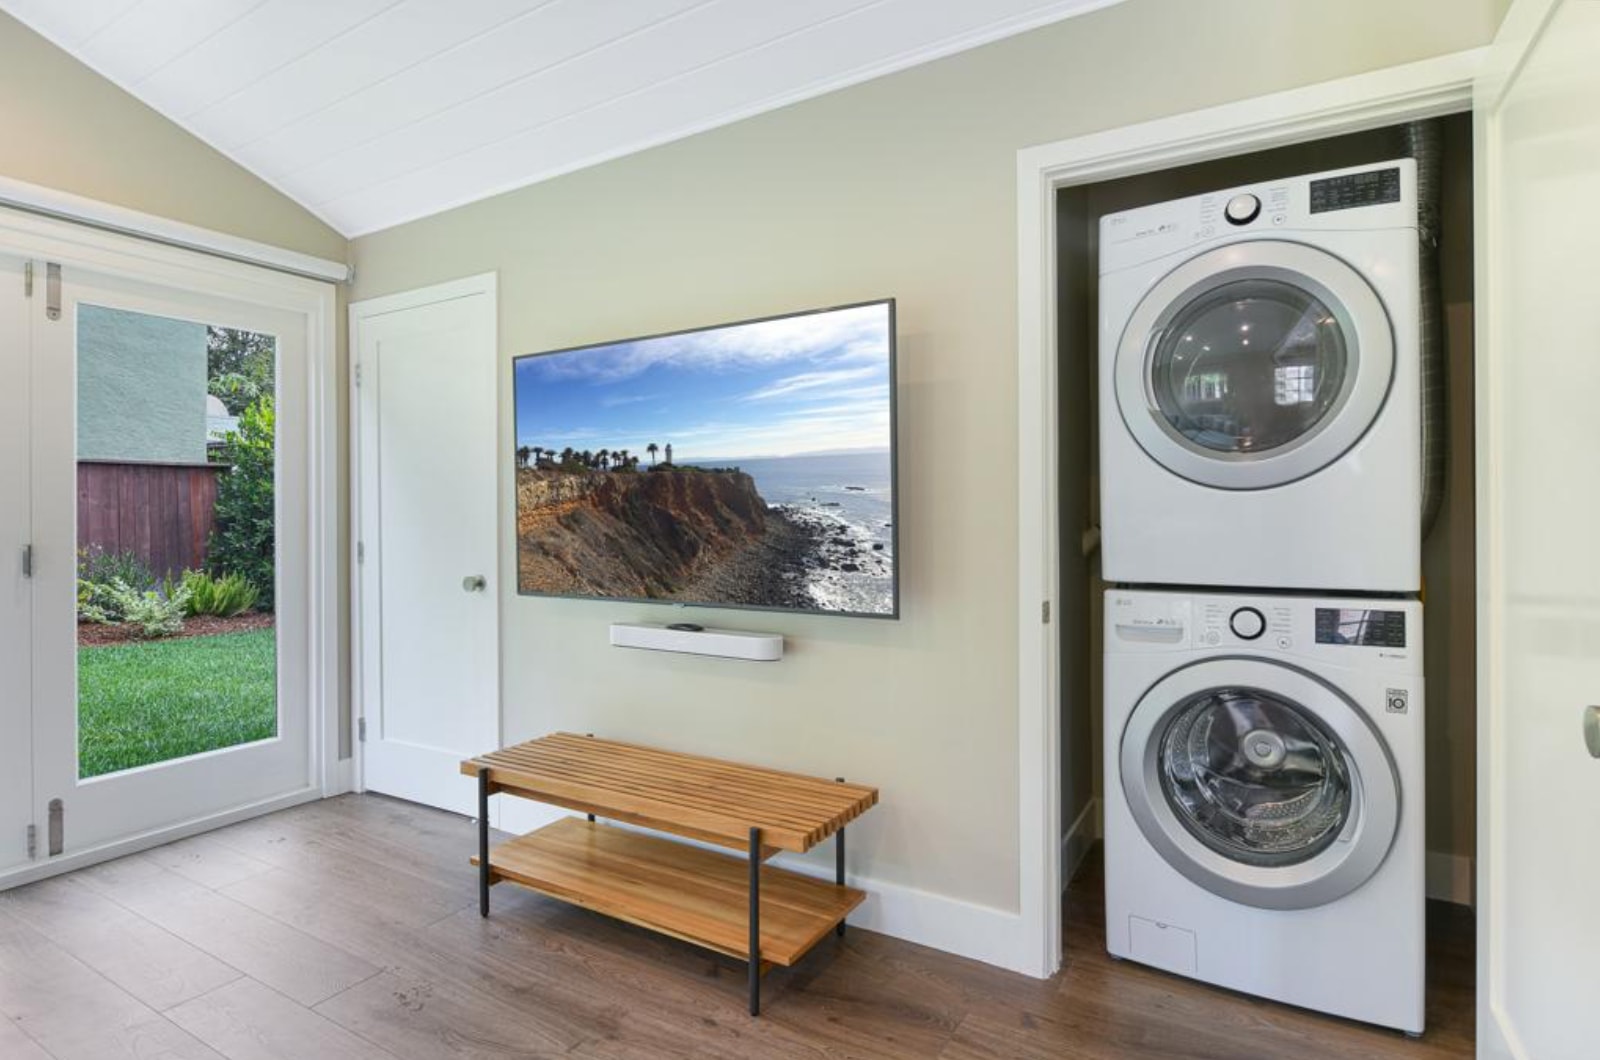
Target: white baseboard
<point x="1449" y="877"/>
<point x="1079" y="838"/>
<point x="949" y="924"/>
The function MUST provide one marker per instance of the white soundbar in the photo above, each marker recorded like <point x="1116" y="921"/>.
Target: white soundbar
<point x="722" y="643"/>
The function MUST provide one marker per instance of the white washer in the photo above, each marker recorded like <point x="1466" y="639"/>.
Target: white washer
<point x="1260" y="419"/>
<point x="1263" y="796"/>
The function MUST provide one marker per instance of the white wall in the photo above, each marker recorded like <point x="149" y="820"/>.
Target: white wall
<point x="904" y="187"/>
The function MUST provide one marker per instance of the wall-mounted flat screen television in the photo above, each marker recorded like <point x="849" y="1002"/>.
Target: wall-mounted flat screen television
<point x="749" y="465"/>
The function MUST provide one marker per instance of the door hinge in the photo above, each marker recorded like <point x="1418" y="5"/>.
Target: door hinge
<point x="361" y="551"/>
<point x="27" y="561"/>
<point x="358" y="373"/>
<point x="33" y="842"/>
<point x="361" y="730"/>
<point x="1044" y="613"/>
<point x="52" y="291"/>
<point x="27" y="279"/>
<point x="57" y="835"/>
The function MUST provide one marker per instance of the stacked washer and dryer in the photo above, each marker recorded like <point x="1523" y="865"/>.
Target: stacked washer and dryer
<point x="1261" y="499"/>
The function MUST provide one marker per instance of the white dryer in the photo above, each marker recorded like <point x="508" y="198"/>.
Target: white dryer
<point x="1260" y="419"/>
<point x="1263" y="796"/>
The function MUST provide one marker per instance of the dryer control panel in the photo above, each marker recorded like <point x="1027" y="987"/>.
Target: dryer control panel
<point x="1380" y="196"/>
<point x="1380" y="632"/>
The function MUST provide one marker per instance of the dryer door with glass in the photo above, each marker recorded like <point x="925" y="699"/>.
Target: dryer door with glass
<point x="1254" y="365"/>
<point x="1260" y="782"/>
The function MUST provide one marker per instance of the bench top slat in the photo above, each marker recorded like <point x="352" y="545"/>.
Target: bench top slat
<point x="707" y="798"/>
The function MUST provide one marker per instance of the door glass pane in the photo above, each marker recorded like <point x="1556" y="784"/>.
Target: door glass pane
<point x="177" y="651"/>
<point x="1249" y="366"/>
<point x="1254" y="776"/>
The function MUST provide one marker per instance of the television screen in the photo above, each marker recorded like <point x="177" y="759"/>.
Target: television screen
<point x="749" y="465"/>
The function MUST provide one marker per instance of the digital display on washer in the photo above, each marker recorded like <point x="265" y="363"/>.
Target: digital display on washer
<point x="1368" y="628"/>
<point x="1355" y="189"/>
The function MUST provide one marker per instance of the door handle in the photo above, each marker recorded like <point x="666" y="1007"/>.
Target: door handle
<point x="1591" y="729"/>
<point x="474" y="583"/>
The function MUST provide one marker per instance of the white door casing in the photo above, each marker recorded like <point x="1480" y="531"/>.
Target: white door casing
<point x="1538" y="230"/>
<point x="16" y="634"/>
<point x="427" y="523"/>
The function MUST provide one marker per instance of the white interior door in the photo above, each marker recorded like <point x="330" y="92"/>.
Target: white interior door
<point x="1538" y="108"/>
<point x="143" y="735"/>
<point x="427" y="527"/>
<point x="16" y="747"/>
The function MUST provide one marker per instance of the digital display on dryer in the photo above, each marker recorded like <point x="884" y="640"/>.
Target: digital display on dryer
<point x="1363" y="627"/>
<point x="1354" y="190"/>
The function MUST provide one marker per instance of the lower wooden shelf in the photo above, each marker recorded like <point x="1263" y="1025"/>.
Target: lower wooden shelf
<point x="692" y="894"/>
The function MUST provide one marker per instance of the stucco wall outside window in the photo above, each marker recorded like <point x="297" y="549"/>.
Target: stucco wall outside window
<point x="141" y="388"/>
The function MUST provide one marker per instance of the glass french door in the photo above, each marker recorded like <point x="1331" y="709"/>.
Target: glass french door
<point x="169" y="588"/>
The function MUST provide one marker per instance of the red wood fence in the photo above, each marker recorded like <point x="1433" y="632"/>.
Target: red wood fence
<point x="162" y="513"/>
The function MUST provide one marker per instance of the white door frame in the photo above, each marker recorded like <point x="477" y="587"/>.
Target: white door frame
<point x="1430" y="88"/>
<point x="487" y="285"/>
<point x="74" y="245"/>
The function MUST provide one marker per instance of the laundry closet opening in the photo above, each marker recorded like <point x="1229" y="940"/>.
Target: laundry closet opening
<point x="1448" y="799"/>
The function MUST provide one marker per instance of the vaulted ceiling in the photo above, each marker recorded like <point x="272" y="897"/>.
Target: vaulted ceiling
<point x="375" y="112"/>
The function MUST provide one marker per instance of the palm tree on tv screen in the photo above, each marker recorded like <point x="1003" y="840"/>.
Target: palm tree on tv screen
<point x="652" y="449"/>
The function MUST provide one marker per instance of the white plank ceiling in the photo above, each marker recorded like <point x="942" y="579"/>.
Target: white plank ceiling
<point x="375" y="112"/>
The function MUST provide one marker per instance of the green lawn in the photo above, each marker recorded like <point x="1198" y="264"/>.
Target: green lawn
<point x="150" y="701"/>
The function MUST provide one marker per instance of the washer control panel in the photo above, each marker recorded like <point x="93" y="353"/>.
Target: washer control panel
<point x="1372" y="632"/>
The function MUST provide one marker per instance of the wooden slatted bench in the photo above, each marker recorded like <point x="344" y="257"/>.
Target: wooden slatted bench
<point x="757" y="913"/>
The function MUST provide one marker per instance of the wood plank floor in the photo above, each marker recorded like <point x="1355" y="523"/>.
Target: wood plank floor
<point x="349" y="929"/>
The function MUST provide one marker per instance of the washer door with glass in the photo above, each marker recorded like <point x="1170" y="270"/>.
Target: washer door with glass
<point x="1260" y="782"/>
<point x="1254" y="365"/>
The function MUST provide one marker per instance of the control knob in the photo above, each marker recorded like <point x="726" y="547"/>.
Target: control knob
<point x="1242" y="209"/>
<point x="1247" y="623"/>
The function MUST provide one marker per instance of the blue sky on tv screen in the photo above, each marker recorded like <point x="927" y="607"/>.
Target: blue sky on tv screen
<point x="817" y="383"/>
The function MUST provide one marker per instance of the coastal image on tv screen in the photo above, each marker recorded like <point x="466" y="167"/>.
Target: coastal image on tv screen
<point x="748" y="465"/>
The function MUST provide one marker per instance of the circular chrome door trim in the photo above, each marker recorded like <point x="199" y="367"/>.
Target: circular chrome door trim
<point x="1343" y="866"/>
<point x="1369" y="338"/>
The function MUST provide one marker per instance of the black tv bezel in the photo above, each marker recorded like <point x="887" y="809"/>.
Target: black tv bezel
<point x="894" y="466"/>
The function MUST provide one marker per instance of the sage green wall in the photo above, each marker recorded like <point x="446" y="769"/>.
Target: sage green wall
<point x="141" y="388"/>
<point x="903" y="186"/>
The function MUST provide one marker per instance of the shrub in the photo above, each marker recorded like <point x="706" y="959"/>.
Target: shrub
<point x="244" y="540"/>
<point x="102" y="567"/>
<point x="98" y="572"/>
<point x="156" y="613"/>
<point x="225" y="597"/>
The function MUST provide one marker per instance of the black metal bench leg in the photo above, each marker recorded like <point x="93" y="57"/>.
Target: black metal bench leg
<point x="838" y="870"/>
<point x="755" y="921"/>
<point x="483" y="841"/>
<point x="838" y="865"/>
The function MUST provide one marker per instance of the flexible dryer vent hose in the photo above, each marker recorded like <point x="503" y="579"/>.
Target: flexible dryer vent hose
<point x="1424" y="144"/>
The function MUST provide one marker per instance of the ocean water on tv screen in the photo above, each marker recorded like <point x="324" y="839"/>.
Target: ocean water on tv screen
<point x="848" y="500"/>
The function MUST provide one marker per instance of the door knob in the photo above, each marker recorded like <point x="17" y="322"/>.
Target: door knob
<point x="1591" y="729"/>
<point x="474" y="583"/>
